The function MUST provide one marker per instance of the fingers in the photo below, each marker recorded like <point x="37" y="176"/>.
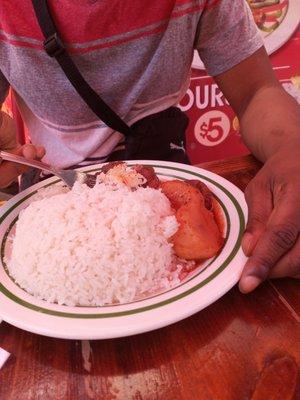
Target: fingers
<point x="31" y="152"/>
<point x="10" y="171"/>
<point x="289" y="264"/>
<point x="279" y="237"/>
<point x="259" y="200"/>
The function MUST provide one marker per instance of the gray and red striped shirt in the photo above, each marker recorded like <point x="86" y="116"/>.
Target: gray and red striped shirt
<point x="136" y="54"/>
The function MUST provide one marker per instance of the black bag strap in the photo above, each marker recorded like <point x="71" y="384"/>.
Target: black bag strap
<point x="54" y="47"/>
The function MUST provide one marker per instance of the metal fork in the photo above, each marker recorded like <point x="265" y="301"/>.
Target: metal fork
<point x="68" y="176"/>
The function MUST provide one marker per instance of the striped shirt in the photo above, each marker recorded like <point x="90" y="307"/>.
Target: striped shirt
<point x="136" y="54"/>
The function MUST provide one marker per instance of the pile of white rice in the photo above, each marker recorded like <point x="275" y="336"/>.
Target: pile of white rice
<point x="97" y="246"/>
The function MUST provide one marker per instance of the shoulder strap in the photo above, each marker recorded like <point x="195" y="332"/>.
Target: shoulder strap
<point x="54" y="47"/>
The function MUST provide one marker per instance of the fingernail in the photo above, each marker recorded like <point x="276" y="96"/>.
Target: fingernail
<point x="247" y="243"/>
<point x="40" y="152"/>
<point x="249" y="283"/>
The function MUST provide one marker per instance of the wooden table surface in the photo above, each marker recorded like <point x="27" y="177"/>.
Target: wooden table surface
<point x="241" y="347"/>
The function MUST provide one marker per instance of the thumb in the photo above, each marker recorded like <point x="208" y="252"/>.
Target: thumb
<point x="259" y="200"/>
<point x="260" y="205"/>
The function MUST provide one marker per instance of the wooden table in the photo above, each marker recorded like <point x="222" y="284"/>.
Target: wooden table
<point x="241" y="347"/>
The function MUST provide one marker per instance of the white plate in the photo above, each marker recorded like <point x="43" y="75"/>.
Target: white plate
<point x="276" y="39"/>
<point x="197" y="291"/>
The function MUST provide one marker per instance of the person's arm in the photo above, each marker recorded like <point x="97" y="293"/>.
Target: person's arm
<point x="270" y="126"/>
<point x="269" y="116"/>
<point x="8" y="142"/>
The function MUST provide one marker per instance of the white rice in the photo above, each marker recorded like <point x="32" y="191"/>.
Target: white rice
<point x="92" y="247"/>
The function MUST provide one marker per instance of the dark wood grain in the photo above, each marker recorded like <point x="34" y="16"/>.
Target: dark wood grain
<point x="238" y="170"/>
<point x="243" y="347"/>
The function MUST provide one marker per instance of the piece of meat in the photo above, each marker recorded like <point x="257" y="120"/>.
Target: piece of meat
<point x="108" y="166"/>
<point x="198" y="236"/>
<point x="180" y="193"/>
<point x="146" y="171"/>
<point x="149" y="174"/>
<point x="208" y="197"/>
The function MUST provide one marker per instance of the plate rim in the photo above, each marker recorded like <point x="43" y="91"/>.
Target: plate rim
<point x="214" y="179"/>
<point x="271" y="42"/>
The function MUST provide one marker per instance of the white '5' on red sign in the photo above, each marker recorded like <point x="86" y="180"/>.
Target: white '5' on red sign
<point x="212" y="128"/>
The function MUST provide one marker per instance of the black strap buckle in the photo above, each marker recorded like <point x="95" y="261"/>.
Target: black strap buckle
<point x="54" y="46"/>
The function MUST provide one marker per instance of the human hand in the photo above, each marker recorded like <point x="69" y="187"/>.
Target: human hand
<point x="8" y="142"/>
<point x="271" y="239"/>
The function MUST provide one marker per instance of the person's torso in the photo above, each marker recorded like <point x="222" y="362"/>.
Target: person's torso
<point x="136" y="54"/>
